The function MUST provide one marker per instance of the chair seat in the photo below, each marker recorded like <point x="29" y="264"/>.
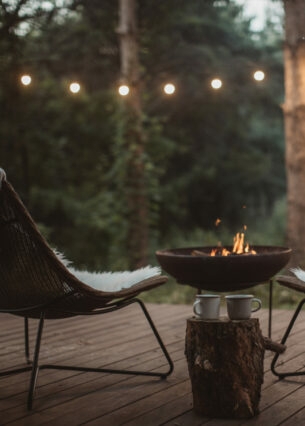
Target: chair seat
<point x="291" y="282"/>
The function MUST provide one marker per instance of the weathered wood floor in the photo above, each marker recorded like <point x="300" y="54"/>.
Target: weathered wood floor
<point x="122" y="339"/>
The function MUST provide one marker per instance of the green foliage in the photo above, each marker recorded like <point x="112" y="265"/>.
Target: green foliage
<point x="227" y="145"/>
<point x="207" y="153"/>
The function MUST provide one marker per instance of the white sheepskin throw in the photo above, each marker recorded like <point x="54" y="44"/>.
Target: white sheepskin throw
<point x="110" y="281"/>
<point x="299" y="273"/>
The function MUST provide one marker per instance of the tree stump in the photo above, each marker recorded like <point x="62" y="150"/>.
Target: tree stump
<point x="225" y="361"/>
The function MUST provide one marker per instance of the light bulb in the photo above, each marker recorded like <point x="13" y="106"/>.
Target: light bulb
<point x="123" y="90"/>
<point x="74" y="87"/>
<point x="216" y="83"/>
<point x="259" y="75"/>
<point x="26" y="79"/>
<point x="169" y="89"/>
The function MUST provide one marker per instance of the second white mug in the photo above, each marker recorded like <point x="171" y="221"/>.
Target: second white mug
<point x="239" y="306"/>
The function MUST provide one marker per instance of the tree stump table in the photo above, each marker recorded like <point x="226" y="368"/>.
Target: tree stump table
<point x="225" y="361"/>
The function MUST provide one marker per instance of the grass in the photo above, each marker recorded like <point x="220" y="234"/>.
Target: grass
<point x="173" y="293"/>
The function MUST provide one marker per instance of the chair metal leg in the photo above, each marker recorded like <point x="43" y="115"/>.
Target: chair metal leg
<point x="35" y="367"/>
<point x="162" y="375"/>
<point x="26" y="340"/>
<point x="270" y="308"/>
<point x="162" y="346"/>
<point x="282" y="374"/>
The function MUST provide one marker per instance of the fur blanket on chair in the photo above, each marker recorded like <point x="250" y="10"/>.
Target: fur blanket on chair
<point x="110" y="281"/>
<point x="299" y="273"/>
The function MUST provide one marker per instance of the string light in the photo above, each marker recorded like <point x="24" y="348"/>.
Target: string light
<point x="123" y="90"/>
<point x="259" y="75"/>
<point x="216" y="83"/>
<point x="74" y="87"/>
<point x="169" y="88"/>
<point x="26" y="79"/>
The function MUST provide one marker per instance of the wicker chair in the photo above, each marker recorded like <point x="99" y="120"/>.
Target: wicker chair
<point x="295" y="284"/>
<point x="34" y="283"/>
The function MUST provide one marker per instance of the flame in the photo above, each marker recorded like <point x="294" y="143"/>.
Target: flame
<point x="217" y="221"/>
<point x="225" y="252"/>
<point x="238" y="240"/>
<point x="221" y="250"/>
<point x="248" y="250"/>
<point x="214" y="252"/>
<point x="239" y="246"/>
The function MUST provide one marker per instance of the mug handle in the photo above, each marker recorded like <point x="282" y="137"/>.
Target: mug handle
<point x="194" y="307"/>
<point x="258" y="301"/>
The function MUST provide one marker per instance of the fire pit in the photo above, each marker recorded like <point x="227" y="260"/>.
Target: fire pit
<point x="196" y="266"/>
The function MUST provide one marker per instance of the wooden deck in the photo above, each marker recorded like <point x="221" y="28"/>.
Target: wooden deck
<point x="122" y="339"/>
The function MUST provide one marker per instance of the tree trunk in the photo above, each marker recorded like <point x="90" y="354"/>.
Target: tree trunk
<point x="294" y="114"/>
<point x="134" y="140"/>
<point x="225" y="362"/>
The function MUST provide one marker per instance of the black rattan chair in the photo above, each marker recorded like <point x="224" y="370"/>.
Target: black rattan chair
<point x="34" y="283"/>
<point x="293" y="283"/>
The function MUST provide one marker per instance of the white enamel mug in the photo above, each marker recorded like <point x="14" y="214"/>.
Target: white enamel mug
<point x="206" y="306"/>
<point x="239" y="306"/>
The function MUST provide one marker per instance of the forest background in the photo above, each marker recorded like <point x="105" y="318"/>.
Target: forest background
<point x="208" y="153"/>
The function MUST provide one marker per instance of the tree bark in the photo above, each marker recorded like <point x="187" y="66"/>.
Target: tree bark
<point x="225" y="361"/>
<point x="134" y="138"/>
<point x="294" y="115"/>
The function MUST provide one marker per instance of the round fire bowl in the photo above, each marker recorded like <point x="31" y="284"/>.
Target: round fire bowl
<point x="223" y="273"/>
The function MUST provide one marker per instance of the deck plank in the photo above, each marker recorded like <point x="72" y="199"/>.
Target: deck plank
<point x="123" y="340"/>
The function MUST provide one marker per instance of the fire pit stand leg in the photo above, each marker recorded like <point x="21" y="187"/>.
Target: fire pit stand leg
<point x="270" y="308"/>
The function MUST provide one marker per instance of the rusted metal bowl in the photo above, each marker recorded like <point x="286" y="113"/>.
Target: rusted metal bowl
<point x="223" y="273"/>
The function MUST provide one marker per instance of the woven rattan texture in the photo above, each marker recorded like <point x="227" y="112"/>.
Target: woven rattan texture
<point x="31" y="274"/>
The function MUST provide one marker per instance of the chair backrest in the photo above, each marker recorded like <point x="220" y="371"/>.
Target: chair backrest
<point x="30" y="273"/>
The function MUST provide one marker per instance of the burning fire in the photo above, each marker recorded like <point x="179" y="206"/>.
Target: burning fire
<point x="239" y="247"/>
